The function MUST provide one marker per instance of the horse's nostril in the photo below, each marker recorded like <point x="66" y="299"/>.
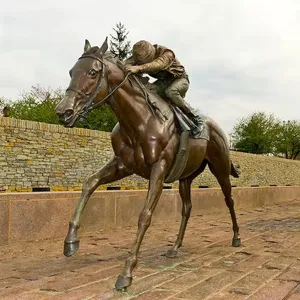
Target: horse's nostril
<point x="59" y="113"/>
<point x="68" y="114"/>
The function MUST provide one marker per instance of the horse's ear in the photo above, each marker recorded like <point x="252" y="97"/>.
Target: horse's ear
<point x="87" y="46"/>
<point x="103" y="48"/>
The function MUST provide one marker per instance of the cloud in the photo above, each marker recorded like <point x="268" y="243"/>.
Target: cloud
<point x="241" y="56"/>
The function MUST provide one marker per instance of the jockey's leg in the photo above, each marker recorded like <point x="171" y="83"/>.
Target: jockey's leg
<point x="176" y="92"/>
<point x="160" y="86"/>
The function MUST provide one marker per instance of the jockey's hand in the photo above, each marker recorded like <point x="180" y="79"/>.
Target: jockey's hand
<point x="132" y="69"/>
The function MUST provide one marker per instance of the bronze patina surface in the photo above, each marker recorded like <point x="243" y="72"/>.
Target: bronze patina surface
<point x="144" y="142"/>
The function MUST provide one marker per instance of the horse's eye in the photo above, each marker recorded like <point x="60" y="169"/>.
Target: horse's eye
<point x="92" y="72"/>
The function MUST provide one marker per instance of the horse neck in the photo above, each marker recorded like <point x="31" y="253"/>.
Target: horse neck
<point x="128" y="101"/>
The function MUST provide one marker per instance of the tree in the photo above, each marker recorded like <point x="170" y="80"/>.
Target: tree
<point x="288" y="141"/>
<point x="119" y="45"/>
<point x="39" y="105"/>
<point x="256" y="134"/>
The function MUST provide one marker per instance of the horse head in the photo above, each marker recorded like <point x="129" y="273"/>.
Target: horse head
<point x="88" y="86"/>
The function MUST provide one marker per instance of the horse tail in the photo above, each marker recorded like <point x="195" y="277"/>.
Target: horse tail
<point x="235" y="172"/>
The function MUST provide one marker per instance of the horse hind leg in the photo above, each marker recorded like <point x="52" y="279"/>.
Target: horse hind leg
<point x="185" y="194"/>
<point x="223" y="178"/>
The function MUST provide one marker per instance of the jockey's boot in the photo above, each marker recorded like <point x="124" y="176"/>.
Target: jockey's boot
<point x="190" y="113"/>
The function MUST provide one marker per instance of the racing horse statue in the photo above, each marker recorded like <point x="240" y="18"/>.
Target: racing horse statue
<point x="150" y="139"/>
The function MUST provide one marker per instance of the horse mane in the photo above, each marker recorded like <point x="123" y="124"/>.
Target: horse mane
<point x="108" y="55"/>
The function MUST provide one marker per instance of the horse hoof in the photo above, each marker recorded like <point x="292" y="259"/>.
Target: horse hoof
<point x="236" y="242"/>
<point x="71" y="248"/>
<point x="171" y="253"/>
<point x="123" y="282"/>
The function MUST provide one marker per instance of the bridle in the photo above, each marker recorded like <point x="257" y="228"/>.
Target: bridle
<point x="88" y="106"/>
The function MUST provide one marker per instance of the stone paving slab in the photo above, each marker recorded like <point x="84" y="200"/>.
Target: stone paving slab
<point x="266" y="266"/>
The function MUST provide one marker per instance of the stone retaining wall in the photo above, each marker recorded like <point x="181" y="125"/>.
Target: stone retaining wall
<point x="37" y="155"/>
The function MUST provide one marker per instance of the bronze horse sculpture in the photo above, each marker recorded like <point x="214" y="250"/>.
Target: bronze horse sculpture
<point x="143" y="144"/>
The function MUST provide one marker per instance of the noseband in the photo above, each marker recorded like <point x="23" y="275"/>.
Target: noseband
<point x="88" y="106"/>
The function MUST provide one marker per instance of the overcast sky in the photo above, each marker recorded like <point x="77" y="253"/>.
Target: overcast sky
<point x="241" y="55"/>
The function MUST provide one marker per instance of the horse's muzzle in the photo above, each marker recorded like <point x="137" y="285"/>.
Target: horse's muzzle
<point x="65" y="117"/>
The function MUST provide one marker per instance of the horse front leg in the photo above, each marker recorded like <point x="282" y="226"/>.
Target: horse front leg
<point x="113" y="170"/>
<point x="154" y="191"/>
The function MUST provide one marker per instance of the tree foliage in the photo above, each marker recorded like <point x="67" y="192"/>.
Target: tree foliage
<point x="39" y="105"/>
<point x="288" y="140"/>
<point x="256" y="134"/>
<point x="261" y="133"/>
<point x="119" y="45"/>
<point x="36" y="105"/>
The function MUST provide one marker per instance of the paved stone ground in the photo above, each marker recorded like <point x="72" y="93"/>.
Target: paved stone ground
<point x="267" y="266"/>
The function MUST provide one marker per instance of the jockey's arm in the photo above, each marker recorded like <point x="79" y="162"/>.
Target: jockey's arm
<point x="158" y="64"/>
